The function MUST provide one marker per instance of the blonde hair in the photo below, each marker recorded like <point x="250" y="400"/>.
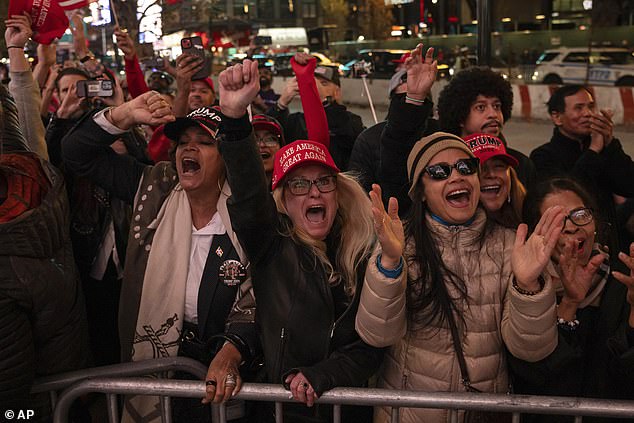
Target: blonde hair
<point x="354" y="217"/>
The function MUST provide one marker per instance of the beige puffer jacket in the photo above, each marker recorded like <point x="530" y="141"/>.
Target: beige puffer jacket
<point x="496" y="315"/>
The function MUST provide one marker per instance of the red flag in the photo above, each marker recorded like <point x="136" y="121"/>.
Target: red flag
<point x="48" y="17"/>
<point x="74" y="4"/>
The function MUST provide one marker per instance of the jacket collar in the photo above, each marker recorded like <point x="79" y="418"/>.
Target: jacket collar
<point x="569" y="143"/>
<point x="459" y="235"/>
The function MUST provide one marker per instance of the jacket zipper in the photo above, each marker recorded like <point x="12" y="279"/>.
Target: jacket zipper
<point x="280" y="352"/>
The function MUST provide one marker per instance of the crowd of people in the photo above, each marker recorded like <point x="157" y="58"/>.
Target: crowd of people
<point x="165" y="218"/>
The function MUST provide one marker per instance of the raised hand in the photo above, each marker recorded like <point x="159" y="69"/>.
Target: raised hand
<point x="239" y="85"/>
<point x="18" y="30"/>
<point x="149" y="108"/>
<point x="576" y="277"/>
<point x="219" y="384"/>
<point x="46" y="54"/>
<point x="72" y="106"/>
<point x="291" y="89"/>
<point x="628" y="280"/>
<point x="125" y="43"/>
<point x="186" y="66"/>
<point x="301" y="389"/>
<point x="530" y="256"/>
<point x="388" y="227"/>
<point x="421" y="72"/>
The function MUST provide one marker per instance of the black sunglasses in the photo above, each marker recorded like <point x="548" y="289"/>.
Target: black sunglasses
<point x="581" y="216"/>
<point x="442" y="171"/>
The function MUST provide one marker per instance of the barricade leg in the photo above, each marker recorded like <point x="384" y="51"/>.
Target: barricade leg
<point x="336" y="413"/>
<point x="113" y="408"/>
<point x="395" y="414"/>
<point x="279" y="417"/>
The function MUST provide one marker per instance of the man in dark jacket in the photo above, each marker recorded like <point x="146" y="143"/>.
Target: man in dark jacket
<point x="344" y="126"/>
<point x="583" y="146"/>
<point x="99" y="223"/>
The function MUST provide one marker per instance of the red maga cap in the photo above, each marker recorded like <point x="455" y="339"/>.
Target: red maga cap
<point x="485" y="147"/>
<point x="297" y="154"/>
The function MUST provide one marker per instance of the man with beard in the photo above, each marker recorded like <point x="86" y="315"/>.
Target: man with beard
<point x="267" y="97"/>
<point x="479" y="100"/>
<point x="583" y="146"/>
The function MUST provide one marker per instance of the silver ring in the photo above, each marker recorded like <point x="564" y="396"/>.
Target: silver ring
<point x="230" y="380"/>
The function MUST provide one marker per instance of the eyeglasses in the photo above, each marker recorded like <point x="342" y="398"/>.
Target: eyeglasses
<point x="581" y="216"/>
<point x="301" y="186"/>
<point x="269" y="141"/>
<point x="442" y="171"/>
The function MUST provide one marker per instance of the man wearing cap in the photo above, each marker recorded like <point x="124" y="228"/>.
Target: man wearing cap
<point x="160" y="81"/>
<point x="191" y="94"/>
<point x="269" y="137"/>
<point x="344" y="126"/>
<point x="181" y="243"/>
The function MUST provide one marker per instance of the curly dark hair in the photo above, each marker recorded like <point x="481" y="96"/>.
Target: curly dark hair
<point x="455" y="100"/>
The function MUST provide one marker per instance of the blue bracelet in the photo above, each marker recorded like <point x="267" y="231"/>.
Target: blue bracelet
<point x="390" y="273"/>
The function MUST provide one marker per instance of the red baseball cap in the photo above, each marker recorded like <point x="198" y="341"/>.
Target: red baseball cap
<point x="268" y="123"/>
<point x="209" y="82"/>
<point x="403" y="58"/>
<point x="485" y="147"/>
<point x="297" y="154"/>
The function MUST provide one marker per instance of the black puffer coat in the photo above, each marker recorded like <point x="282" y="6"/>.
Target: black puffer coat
<point x="42" y="317"/>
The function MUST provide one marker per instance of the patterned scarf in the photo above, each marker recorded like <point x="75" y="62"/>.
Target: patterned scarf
<point x="26" y="184"/>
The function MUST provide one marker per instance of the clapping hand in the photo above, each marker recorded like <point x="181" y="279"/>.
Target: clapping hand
<point x="576" y="277"/>
<point x="389" y="228"/>
<point x="421" y="72"/>
<point x="239" y="85"/>
<point x="530" y="256"/>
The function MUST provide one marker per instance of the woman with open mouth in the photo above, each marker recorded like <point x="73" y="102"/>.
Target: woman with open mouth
<point x="501" y="192"/>
<point x="595" y="318"/>
<point x="308" y="243"/>
<point x="187" y="287"/>
<point x="451" y="291"/>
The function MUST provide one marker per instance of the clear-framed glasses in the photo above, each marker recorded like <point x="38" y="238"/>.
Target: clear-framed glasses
<point x="442" y="171"/>
<point x="301" y="186"/>
<point x="581" y="216"/>
<point x="269" y="140"/>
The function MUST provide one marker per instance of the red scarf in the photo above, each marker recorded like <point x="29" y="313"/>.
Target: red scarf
<point x="26" y="184"/>
<point x="314" y="113"/>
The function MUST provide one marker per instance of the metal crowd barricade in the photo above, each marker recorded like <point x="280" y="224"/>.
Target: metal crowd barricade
<point x="515" y="404"/>
<point x="160" y="366"/>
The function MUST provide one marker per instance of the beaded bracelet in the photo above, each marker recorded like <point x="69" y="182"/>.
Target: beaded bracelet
<point x="390" y="273"/>
<point x="566" y="325"/>
<point x="415" y="100"/>
<point x="523" y="291"/>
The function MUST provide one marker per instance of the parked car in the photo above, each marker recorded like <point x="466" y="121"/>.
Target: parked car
<point x="382" y="62"/>
<point x="498" y="65"/>
<point x="597" y="66"/>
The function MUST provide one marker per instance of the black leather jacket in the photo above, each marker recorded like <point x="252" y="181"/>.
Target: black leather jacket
<point x="305" y="324"/>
